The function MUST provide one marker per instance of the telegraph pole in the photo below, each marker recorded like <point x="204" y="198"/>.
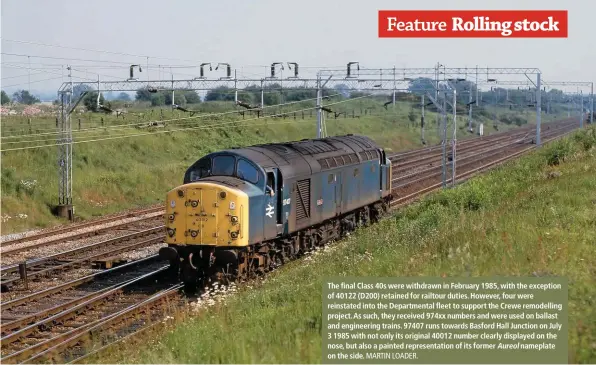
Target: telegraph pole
<point x="437" y="92"/>
<point x="395" y="88"/>
<point x="454" y="142"/>
<point x="581" y="110"/>
<point x="263" y="97"/>
<point x="319" y="101"/>
<point x="444" y="138"/>
<point x="235" y="87"/>
<point x="65" y="208"/>
<point x="173" y="91"/>
<point x="318" y="106"/>
<point x="592" y="104"/>
<point x="422" y="122"/>
<point x="470" y="111"/>
<point x="477" y="100"/>
<point x="538" y="109"/>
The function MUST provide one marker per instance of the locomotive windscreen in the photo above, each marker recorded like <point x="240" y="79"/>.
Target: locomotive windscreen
<point x="222" y="165"/>
<point x="200" y="169"/>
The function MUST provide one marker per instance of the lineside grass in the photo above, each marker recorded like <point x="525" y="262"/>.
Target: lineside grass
<point x="532" y="217"/>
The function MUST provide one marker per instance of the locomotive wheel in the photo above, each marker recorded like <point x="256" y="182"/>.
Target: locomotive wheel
<point x="190" y="277"/>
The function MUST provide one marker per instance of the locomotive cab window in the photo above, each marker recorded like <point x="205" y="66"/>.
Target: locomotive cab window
<point x="223" y="165"/>
<point x="246" y="171"/>
<point x="270" y="183"/>
<point x="331" y="178"/>
<point x="201" y="169"/>
<point x="356" y="172"/>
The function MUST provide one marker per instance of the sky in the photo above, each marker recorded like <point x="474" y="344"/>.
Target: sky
<point x="250" y="35"/>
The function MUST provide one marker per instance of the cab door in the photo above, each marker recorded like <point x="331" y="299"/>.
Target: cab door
<point x="272" y="224"/>
<point x="385" y="172"/>
<point x="338" y="192"/>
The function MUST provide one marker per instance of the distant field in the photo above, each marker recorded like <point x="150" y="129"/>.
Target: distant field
<point x="114" y="173"/>
<point x="533" y="216"/>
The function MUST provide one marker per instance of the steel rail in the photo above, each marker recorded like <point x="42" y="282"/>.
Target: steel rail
<point x="463" y="176"/>
<point x="530" y="128"/>
<point x="11" y="251"/>
<point x="52" y="348"/>
<point x="69" y="292"/>
<point x="45" y="326"/>
<point x="73" y="283"/>
<point x="468" y="144"/>
<point x="57" y="261"/>
<point x="432" y="169"/>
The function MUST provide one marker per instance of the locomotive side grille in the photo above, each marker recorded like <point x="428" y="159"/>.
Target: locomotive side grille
<point x="277" y="148"/>
<point x="339" y="161"/>
<point x="303" y="199"/>
<point x="324" y="164"/>
<point x="310" y="147"/>
<point x="369" y="155"/>
<point x="348" y="159"/>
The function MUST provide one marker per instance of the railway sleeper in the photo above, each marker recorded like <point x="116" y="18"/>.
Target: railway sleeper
<point x="108" y="263"/>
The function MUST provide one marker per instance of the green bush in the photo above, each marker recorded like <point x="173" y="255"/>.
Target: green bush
<point x="588" y="139"/>
<point x="558" y="152"/>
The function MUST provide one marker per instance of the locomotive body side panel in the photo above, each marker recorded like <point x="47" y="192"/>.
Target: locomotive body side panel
<point x="328" y="196"/>
<point x="256" y="218"/>
<point x="350" y="199"/>
<point x="371" y="182"/>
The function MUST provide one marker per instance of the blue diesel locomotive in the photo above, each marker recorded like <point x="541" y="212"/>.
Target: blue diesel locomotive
<point x="244" y="211"/>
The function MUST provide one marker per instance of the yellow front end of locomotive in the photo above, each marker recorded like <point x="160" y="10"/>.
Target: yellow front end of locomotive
<point x="203" y="213"/>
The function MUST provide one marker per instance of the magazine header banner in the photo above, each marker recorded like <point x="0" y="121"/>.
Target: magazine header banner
<point x="473" y="24"/>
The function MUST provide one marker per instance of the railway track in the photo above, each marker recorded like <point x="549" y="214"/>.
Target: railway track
<point x="24" y="311"/>
<point x="100" y="310"/>
<point x="417" y="187"/>
<point x="431" y="157"/>
<point x="433" y="154"/>
<point x="78" y="231"/>
<point x="78" y="257"/>
<point x="396" y="157"/>
<point x="75" y="320"/>
<point x="472" y="157"/>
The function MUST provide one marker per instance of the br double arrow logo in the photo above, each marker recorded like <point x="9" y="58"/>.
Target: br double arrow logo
<point x="269" y="212"/>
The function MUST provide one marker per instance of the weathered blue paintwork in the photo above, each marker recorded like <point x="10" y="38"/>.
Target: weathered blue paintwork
<point x="286" y="207"/>
<point x="333" y="192"/>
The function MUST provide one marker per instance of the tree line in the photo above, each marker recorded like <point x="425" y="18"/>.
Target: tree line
<point x="21" y="97"/>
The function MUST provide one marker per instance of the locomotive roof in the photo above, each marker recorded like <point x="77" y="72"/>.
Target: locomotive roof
<point x="310" y="155"/>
